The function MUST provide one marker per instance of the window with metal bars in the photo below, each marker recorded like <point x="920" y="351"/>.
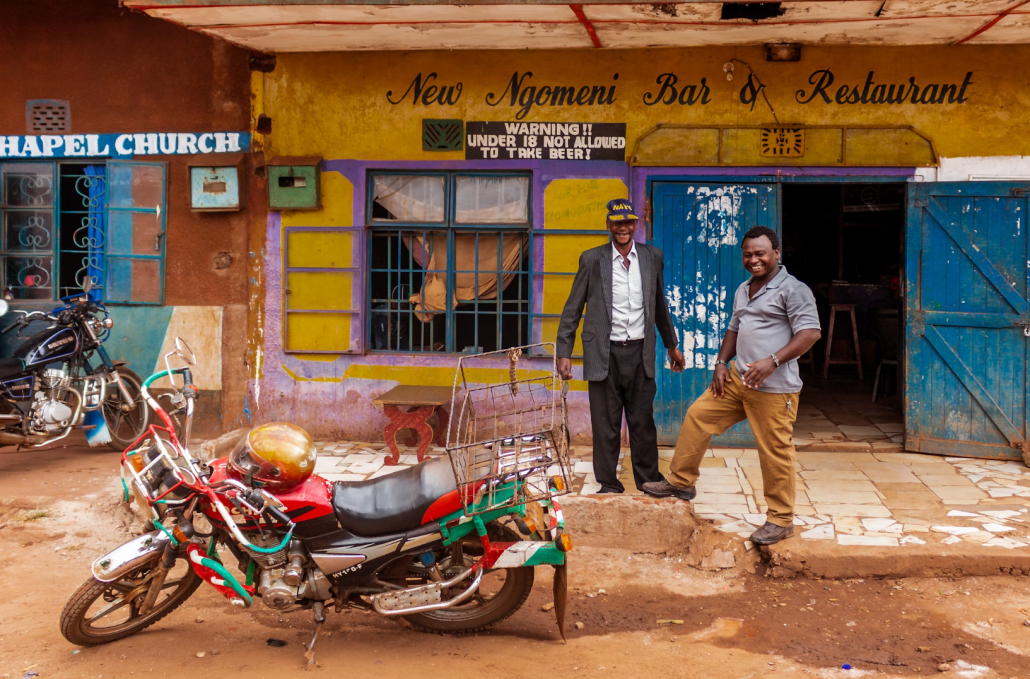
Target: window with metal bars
<point x="61" y="223"/>
<point x="450" y="266"/>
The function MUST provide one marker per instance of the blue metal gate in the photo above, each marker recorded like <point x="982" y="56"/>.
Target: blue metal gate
<point x="967" y="270"/>
<point x="698" y="226"/>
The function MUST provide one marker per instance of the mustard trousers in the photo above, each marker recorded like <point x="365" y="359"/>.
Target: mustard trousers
<point x="772" y="419"/>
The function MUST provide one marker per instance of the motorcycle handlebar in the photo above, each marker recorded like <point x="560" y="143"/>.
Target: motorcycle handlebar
<point x="188" y="390"/>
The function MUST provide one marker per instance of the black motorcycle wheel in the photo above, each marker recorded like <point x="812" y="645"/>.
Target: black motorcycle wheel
<point x="101" y="612"/>
<point x="501" y="593"/>
<point x="125" y="426"/>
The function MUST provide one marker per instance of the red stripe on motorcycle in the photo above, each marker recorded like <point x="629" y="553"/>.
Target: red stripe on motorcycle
<point x="448" y="504"/>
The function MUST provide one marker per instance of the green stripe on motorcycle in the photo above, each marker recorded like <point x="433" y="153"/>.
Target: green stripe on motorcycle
<point x="548" y="554"/>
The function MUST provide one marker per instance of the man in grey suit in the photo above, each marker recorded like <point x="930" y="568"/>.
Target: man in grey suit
<point x="624" y="291"/>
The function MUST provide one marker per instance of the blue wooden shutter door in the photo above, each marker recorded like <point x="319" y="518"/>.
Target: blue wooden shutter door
<point x="967" y="270"/>
<point x="698" y="226"/>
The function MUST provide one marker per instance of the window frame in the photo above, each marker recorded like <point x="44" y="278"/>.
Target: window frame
<point x="56" y="221"/>
<point x="451" y="227"/>
<point x="356" y="271"/>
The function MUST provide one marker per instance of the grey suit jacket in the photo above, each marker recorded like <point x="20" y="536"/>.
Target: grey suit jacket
<point x="593" y="287"/>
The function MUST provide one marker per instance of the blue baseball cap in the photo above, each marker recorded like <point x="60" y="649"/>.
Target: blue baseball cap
<point x="621" y="210"/>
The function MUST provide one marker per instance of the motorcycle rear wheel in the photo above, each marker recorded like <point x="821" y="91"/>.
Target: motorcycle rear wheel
<point x="495" y="601"/>
<point x="122" y="598"/>
<point x="125" y="427"/>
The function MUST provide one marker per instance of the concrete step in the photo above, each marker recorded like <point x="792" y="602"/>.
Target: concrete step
<point x="648" y="525"/>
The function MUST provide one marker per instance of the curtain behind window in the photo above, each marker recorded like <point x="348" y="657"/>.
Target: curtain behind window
<point x="410" y="198"/>
<point x="433" y="297"/>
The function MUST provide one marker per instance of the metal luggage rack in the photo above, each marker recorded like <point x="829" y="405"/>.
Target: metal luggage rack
<point x="517" y="429"/>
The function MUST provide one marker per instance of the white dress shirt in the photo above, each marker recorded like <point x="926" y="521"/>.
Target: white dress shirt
<point x="627" y="297"/>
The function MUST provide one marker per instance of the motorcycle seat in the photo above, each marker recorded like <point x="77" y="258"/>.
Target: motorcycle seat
<point x="392" y="503"/>
<point x="11" y="366"/>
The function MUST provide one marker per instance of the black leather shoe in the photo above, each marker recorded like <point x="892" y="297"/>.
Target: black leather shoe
<point x="770" y="534"/>
<point x="665" y="489"/>
<point x="608" y="490"/>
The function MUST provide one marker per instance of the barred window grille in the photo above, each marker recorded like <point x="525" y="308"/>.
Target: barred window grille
<point x="450" y="264"/>
<point x="48" y="115"/>
<point x="64" y="222"/>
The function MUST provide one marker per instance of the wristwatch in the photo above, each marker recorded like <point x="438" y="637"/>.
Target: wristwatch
<point x="725" y="363"/>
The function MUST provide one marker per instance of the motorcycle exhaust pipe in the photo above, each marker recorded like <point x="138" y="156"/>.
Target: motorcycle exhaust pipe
<point x="433" y="590"/>
<point x="11" y="439"/>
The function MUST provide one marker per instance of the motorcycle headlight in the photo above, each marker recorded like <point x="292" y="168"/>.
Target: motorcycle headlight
<point x="107" y="322"/>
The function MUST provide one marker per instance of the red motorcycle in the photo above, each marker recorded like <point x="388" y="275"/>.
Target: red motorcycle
<point x="449" y="544"/>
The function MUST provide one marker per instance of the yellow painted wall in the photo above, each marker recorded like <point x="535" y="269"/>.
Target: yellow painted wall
<point x="571" y="204"/>
<point x="335" y="105"/>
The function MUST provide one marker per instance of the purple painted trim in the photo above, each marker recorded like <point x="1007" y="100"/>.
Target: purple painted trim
<point x="639" y="175"/>
<point x="544" y="171"/>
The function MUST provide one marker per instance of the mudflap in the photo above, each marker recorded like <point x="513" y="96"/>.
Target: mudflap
<point x="561" y="592"/>
<point x="97" y="433"/>
<point x="528" y="554"/>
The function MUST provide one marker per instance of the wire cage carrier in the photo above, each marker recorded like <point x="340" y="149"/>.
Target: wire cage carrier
<point x="509" y="442"/>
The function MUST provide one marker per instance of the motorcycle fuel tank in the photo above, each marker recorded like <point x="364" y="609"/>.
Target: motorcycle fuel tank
<point x="309" y="504"/>
<point x="48" y="346"/>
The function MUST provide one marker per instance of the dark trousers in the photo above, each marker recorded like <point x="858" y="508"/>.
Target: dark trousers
<point x="627" y="389"/>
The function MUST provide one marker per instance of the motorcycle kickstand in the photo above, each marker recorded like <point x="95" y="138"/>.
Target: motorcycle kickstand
<point x="319" y="612"/>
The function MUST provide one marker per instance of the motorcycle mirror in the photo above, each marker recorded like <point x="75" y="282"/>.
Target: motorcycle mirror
<point x="87" y="284"/>
<point x="4" y="307"/>
<point x="183" y="351"/>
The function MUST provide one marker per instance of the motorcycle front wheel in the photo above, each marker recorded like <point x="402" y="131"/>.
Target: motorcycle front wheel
<point x="125" y="425"/>
<point x="501" y="592"/>
<point x="101" y="612"/>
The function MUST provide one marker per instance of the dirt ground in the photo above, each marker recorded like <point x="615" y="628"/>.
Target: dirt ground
<point x="59" y="510"/>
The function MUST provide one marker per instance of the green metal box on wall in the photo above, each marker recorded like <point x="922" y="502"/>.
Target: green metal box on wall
<point x="294" y="183"/>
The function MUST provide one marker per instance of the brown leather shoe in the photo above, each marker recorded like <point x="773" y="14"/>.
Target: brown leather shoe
<point x="770" y="534"/>
<point x="665" y="489"/>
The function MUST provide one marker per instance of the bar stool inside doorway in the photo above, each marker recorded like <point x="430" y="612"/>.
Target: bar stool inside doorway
<point x="829" y="360"/>
<point x="424" y="402"/>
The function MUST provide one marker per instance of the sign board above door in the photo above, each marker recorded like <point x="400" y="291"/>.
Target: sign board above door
<point x="673" y="145"/>
<point x="123" y="145"/>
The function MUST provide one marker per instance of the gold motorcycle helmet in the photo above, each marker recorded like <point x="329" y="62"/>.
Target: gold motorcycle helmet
<point x="278" y="456"/>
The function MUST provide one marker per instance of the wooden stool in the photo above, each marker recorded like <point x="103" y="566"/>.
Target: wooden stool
<point x="834" y="309"/>
<point x="425" y="401"/>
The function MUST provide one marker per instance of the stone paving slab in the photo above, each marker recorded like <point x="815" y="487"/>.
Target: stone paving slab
<point x="882" y="500"/>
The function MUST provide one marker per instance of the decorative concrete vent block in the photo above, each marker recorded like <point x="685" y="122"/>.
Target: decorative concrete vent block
<point x="48" y="115"/>
<point x="442" y="135"/>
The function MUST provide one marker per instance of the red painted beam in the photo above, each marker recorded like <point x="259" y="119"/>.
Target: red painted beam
<point x="578" y="11"/>
<point x="992" y="22"/>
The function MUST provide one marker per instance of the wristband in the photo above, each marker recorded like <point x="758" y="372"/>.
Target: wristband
<point x="775" y="360"/>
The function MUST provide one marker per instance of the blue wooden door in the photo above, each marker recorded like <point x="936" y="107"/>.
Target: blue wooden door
<point x="698" y="226"/>
<point x="967" y="354"/>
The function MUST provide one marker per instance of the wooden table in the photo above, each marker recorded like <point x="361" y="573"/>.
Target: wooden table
<point x="424" y="402"/>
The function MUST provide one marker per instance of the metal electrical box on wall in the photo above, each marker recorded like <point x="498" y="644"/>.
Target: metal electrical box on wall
<point x="215" y="183"/>
<point x="294" y="183"/>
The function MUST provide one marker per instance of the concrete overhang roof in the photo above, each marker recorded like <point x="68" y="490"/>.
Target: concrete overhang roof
<point x="336" y="25"/>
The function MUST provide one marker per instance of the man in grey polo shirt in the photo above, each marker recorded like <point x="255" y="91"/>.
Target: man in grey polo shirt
<point x="774" y="322"/>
